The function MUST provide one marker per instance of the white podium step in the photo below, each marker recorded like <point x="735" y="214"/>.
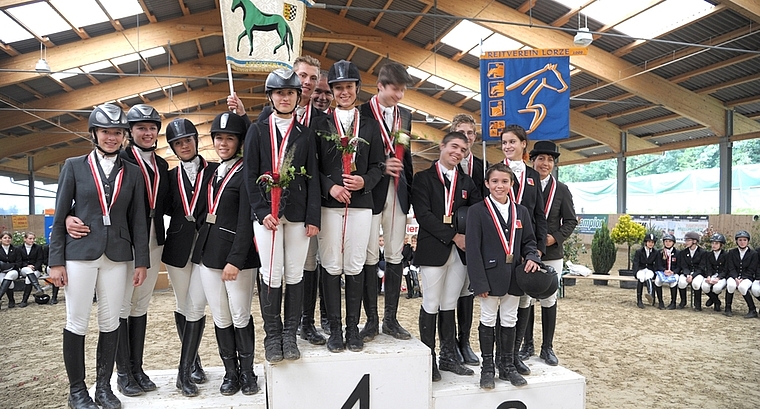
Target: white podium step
<point x="548" y="387"/>
<point x="388" y="373"/>
<point x="167" y="396"/>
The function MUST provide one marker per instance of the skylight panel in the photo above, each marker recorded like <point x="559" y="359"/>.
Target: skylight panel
<point x="466" y="35"/>
<point x="66" y="74"/>
<point x="80" y="13"/>
<point x="497" y="42"/>
<point x="152" y="52"/>
<point x="664" y="17"/>
<point x="445" y="84"/>
<point x="611" y="11"/>
<point x="96" y="66"/>
<point x="40" y="18"/>
<point x="463" y="91"/>
<point x="417" y="73"/>
<point x="572" y="4"/>
<point x="476" y="97"/>
<point x="125" y="59"/>
<point x="11" y="31"/>
<point x="121" y="8"/>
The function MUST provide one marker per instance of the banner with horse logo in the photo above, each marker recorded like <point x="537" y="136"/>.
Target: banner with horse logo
<point x="261" y="35"/>
<point x="530" y="88"/>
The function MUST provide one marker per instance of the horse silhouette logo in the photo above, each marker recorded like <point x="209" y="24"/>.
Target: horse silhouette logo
<point x="537" y="81"/>
<point x="255" y="20"/>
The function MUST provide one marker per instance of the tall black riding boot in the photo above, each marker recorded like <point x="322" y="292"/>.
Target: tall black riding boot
<point x="649" y="291"/>
<point x="25" y="298"/>
<point x="487" y="372"/>
<point x="197" y="374"/>
<point x="639" y="290"/>
<point x="729" y="300"/>
<point x="522" y="323"/>
<point x="73" y="358"/>
<point x="427" y="336"/>
<point x="715" y="301"/>
<point x="409" y="286"/>
<point x="125" y="381"/>
<point x="507" y="369"/>
<point x="448" y="361"/>
<point x="331" y="285"/>
<point x="225" y="339"/>
<point x="244" y="342"/>
<point x="528" y="349"/>
<point x="464" y="319"/>
<point x="293" y="308"/>
<point x="548" y="324"/>
<point x="191" y="340"/>
<point x="324" y="321"/>
<point x="750" y="305"/>
<point x="682" y="304"/>
<point x="673" y="298"/>
<point x="658" y="294"/>
<point x="369" y="299"/>
<point x="697" y="300"/>
<point x="354" y="290"/>
<point x="137" y="327"/>
<point x="308" y="330"/>
<point x="391" y="326"/>
<point x="270" y="301"/>
<point x="35" y="283"/>
<point x="5" y="289"/>
<point x="54" y="298"/>
<point x="107" y="344"/>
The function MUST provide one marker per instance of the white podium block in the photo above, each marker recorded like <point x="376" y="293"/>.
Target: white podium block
<point x="167" y="396"/>
<point x="388" y="373"/>
<point x="548" y="387"/>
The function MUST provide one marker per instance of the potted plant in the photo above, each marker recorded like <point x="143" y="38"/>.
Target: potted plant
<point x="626" y="231"/>
<point x="602" y="253"/>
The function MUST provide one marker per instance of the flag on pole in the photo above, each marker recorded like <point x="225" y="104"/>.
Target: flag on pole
<point x="530" y="88"/>
<point x="261" y="35"/>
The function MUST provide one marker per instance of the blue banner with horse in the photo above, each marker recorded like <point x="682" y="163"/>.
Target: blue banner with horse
<point x="261" y="35"/>
<point x="530" y="88"/>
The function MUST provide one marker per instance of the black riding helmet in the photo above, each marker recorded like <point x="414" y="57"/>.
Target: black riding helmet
<point x="344" y="71"/>
<point x="106" y="116"/>
<point x="230" y="123"/>
<point x="282" y="78"/>
<point x="143" y="113"/>
<point x="719" y="238"/>
<point x="180" y="128"/>
<point x="539" y="285"/>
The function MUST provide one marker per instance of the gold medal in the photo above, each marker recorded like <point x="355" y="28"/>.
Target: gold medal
<point x="446" y="219"/>
<point x="210" y="218"/>
<point x="510" y="258"/>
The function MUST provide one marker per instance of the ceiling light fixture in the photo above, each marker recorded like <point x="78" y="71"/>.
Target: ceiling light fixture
<point x="583" y="38"/>
<point x="42" y="65"/>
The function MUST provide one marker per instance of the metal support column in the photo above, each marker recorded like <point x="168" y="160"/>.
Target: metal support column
<point x="725" y="147"/>
<point x="622" y="176"/>
<point x="30" y="169"/>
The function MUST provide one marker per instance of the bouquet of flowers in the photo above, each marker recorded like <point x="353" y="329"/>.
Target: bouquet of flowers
<point x="347" y="148"/>
<point x="401" y="141"/>
<point x="274" y="182"/>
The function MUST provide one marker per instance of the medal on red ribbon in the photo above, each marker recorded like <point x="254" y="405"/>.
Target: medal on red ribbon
<point x="508" y="246"/>
<point x="189" y="208"/>
<point x="377" y="111"/>
<point x="104" y="207"/>
<point x="448" y="195"/>
<point x="213" y="199"/>
<point x="151" y="188"/>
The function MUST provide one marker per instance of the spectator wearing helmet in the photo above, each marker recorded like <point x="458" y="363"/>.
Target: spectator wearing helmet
<point x="499" y="239"/>
<point x="188" y="192"/>
<point x="742" y="271"/>
<point x="346" y="202"/>
<point x="668" y="270"/>
<point x="227" y="258"/>
<point x="31" y="267"/>
<point x="273" y="145"/>
<point x="644" y="264"/>
<point x="10" y="264"/>
<point x="692" y="272"/>
<point x="109" y="195"/>
<point x="561" y="221"/>
<point x="438" y="194"/>
<point x="390" y="201"/>
<point x="715" y="271"/>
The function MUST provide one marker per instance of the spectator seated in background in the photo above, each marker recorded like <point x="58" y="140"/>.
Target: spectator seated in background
<point x="10" y="262"/>
<point x="32" y="257"/>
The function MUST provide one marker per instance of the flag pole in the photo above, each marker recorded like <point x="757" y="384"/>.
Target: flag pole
<point x="232" y="86"/>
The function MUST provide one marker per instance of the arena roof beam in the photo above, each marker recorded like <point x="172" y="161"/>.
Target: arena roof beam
<point x="747" y="8"/>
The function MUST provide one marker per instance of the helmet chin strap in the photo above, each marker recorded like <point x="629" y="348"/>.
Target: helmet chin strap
<point x="151" y="149"/>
